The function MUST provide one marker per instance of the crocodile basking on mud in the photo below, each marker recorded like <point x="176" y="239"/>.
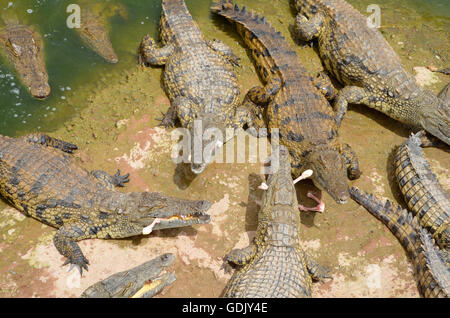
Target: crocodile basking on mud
<point x="143" y="281"/>
<point x="362" y="60"/>
<point x="93" y="29"/>
<point x="39" y="177"/>
<point x="22" y="46"/>
<point x="426" y="198"/>
<point x="274" y="265"/>
<point x="430" y="263"/>
<point x="292" y="104"/>
<point x="198" y="77"/>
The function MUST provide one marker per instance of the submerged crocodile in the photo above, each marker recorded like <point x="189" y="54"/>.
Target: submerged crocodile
<point x="22" y="46"/>
<point x="198" y="78"/>
<point x="293" y="105"/>
<point x="274" y="265"/>
<point x="430" y="263"/>
<point x="39" y="177"/>
<point x="426" y="198"/>
<point x="93" y="29"/>
<point x="362" y="60"/>
<point x="143" y="281"/>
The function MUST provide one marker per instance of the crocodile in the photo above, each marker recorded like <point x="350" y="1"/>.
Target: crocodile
<point x="198" y="78"/>
<point x="22" y="46"/>
<point x="426" y="198"/>
<point x="274" y="265"/>
<point x="361" y="59"/>
<point x="40" y="177"/>
<point x="430" y="263"/>
<point x="143" y="281"/>
<point x="291" y="103"/>
<point x="93" y="29"/>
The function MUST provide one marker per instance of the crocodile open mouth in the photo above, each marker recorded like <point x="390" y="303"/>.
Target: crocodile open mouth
<point x="178" y="220"/>
<point x="153" y="286"/>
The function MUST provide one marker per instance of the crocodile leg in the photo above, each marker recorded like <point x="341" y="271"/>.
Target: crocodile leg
<point x="352" y="95"/>
<point x="179" y="109"/>
<point x="323" y="83"/>
<point x="50" y="142"/>
<point x="306" y="30"/>
<point x="65" y="242"/>
<point x="149" y="54"/>
<point x="263" y="95"/>
<point x="110" y="182"/>
<point x="242" y="256"/>
<point x="351" y="161"/>
<point x="224" y="50"/>
<point x="316" y="271"/>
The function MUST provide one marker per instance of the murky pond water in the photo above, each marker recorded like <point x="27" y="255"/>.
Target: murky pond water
<point x="109" y="111"/>
<point x="75" y="70"/>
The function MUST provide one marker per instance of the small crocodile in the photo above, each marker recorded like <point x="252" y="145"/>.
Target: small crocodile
<point x="430" y="263"/>
<point x="93" y="29"/>
<point x="426" y="198"/>
<point x="39" y="177"/>
<point x="361" y="59"/>
<point x="292" y="104"/>
<point x="198" y="78"/>
<point x="143" y="281"/>
<point x="22" y="46"/>
<point x="274" y="265"/>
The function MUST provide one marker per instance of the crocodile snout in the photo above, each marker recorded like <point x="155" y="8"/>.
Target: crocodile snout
<point x="40" y="91"/>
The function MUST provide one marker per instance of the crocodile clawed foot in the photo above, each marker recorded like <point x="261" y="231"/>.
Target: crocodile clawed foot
<point x="167" y="121"/>
<point x="68" y="147"/>
<point x="120" y="180"/>
<point x="79" y="262"/>
<point x="319" y="208"/>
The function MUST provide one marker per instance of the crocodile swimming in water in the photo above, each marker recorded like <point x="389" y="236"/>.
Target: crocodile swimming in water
<point x="39" y="177"/>
<point x="143" y="281"/>
<point x="93" y="29"/>
<point x="363" y="61"/>
<point x="22" y="46"/>
<point x="430" y="263"/>
<point x="275" y="265"/>
<point x="426" y="198"/>
<point x="292" y="104"/>
<point x="198" y="78"/>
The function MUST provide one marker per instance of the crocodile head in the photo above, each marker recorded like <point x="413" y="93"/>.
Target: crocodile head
<point x="95" y="35"/>
<point x="207" y="138"/>
<point x="329" y="172"/>
<point x="144" y="281"/>
<point x="164" y="212"/>
<point x="24" y="48"/>
<point x="434" y="117"/>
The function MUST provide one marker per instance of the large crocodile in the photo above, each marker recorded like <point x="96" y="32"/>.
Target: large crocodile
<point x="426" y="198"/>
<point x="22" y="46"/>
<point x="430" y="263"/>
<point x="198" y="78"/>
<point x="293" y="105"/>
<point x="39" y="177"/>
<point x="362" y="60"/>
<point x="275" y="265"/>
<point x="93" y="29"/>
<point x="143" y="281"/>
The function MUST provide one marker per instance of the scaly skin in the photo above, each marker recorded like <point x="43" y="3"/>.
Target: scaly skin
<point x="433" y="275"/>
<point x="362" y="60"/>
<point x="94" y="31"/>
<point x="22" y="46"/>
<point x="274" y="265"/>
<point x="143" y="281"/>
<point x="198" y="77"/>
<point x="426" y="198"/>
<point x="39" y="177"/>
<point x="293" y="105"/>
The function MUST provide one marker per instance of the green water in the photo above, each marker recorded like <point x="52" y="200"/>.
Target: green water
<point x="75" y="70"/>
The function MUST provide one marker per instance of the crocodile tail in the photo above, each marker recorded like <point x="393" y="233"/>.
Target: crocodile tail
<point x="399" y="221"/>
<point x="408" y="231"/>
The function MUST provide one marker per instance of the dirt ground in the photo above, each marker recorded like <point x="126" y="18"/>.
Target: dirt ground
<point x="117" y="129"/>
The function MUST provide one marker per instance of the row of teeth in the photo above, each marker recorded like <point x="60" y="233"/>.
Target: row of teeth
<point x="148" y="229"/>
